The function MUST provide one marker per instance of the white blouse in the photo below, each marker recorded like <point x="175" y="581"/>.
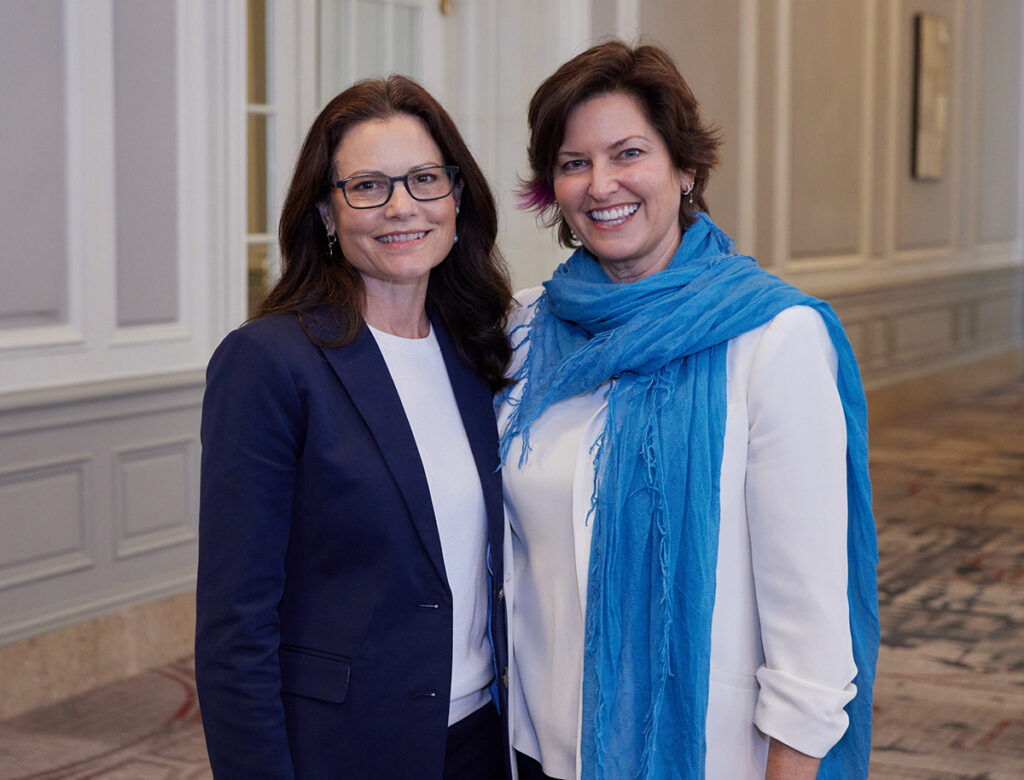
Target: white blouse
<point x="781" y="654"/>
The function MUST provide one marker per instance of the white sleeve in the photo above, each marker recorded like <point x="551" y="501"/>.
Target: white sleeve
<point x="797" y="517"/>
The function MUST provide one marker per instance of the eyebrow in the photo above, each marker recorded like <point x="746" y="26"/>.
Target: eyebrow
<point x="413" y="169"/>
<point x="620" y="143"/>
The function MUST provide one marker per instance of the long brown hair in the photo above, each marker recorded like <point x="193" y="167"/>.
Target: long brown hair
<point x="648" y="74"/>
<point x="469" y="290"/>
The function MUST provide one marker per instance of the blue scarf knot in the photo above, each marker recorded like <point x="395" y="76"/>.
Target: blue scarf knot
<point x="655" y="506"/>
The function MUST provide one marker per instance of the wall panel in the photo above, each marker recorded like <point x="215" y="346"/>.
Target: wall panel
<point x="33" y="193"/>
<point x="44" y="520"/>
<point x="153" y="496"/>
<point x="113" y="522"/>
<point x="999" y="209"/>
<point x="146" y="161"/>
<point x="827" y="111"/>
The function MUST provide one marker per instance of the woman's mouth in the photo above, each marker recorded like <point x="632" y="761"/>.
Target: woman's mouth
<point x="613" y="216"/>
<point x="392" y="238"/>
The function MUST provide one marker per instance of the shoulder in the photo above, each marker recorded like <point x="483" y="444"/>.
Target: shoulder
<point x="262" y="349"/>
<point x="792" y="328"/>
<point x="523" y="307"/>
<point x="279" y="333"/>
<point x="789" y="348"/>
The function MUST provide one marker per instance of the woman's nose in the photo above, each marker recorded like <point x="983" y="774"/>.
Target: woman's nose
<point x="602" y="181"/>
<point x="401" y="202"/>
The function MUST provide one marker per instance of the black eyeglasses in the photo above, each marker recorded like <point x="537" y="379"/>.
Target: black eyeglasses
<point x="370" y="190"/>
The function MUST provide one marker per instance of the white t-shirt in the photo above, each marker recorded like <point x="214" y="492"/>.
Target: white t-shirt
<point x="417" y="368"/>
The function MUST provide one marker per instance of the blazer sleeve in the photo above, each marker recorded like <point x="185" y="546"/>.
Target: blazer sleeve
<point x="797" y="517"/>
<point x="252" y="433"/>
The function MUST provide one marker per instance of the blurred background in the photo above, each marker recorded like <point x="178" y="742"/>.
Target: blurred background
<point x="872" y="156"/>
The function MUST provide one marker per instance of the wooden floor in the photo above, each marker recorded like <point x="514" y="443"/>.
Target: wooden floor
<point x="949" y="698"/>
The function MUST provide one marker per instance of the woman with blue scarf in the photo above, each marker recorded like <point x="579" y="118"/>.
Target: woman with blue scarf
<point x="691" y="569"/>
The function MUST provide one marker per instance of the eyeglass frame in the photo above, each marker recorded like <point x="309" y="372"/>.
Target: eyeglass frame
<point x="450" y="170"/>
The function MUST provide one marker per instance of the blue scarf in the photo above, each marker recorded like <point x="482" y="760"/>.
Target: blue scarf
<point x="656" y="504"/>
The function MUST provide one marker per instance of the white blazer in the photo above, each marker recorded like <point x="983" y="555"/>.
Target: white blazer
<point x="781" y="655"/>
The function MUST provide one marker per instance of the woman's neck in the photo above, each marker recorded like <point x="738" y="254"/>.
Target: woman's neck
<point x="398" y="309"/>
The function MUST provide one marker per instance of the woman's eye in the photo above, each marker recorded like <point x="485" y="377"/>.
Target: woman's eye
<point x="427" y="177"/>
<point x="631" y="153"/>
<point x="572" y="165"/>
<point x="367" y="185"/>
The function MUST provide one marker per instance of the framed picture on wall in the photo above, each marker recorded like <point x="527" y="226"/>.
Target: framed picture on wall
<point x="931" y="97"/>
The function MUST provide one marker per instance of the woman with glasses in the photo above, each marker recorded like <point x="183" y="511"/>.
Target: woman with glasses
<point x="348" y="598"/>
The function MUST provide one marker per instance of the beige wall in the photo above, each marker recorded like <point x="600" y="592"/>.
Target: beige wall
<point x="815" y="101"/>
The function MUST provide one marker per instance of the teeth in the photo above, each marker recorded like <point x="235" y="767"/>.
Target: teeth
<point x="401" y="237"/>
<point x="614" y="216"/>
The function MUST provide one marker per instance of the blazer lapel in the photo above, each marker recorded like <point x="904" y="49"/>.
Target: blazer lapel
<point x="362" y="370"/>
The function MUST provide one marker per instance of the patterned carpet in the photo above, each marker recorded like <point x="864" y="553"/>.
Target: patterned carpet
<point x="146" y="727"/>
<point x="949" y="504"/>
<point x="949" y="699"/>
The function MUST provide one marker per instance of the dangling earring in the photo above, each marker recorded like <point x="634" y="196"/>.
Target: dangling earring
<point x="332" y="240"/>
<point x="689" y="193"/>
<point x="456" y="239"/>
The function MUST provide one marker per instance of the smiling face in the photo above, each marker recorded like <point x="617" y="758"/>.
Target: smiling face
<point x="400" y="242"/>
<point x="618" y="188"/>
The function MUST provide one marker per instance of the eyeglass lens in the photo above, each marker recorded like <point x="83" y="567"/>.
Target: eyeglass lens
<point x="429" y="183"/>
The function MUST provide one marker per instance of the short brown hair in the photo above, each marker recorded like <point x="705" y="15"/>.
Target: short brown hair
<point x="648" y="74"/>
<point x="470" y="290"/>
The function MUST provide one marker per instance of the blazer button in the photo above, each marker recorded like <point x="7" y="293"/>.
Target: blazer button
<point x="504" y="677"/>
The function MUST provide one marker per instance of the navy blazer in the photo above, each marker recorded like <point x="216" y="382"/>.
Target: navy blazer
<point x="324" y="616"/>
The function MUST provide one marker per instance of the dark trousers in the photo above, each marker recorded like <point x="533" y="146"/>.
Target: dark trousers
<point x="474" y="750"/>
<point x="529" y="769"/>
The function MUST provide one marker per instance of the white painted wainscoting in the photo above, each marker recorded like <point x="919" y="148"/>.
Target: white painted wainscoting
<point x="99" y="495"/>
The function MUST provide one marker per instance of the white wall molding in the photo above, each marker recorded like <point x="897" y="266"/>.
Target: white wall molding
<point x="39" y="547"/>
<point x="892" y="139"/>
<point x="92" y="605"/>
<point x="113" y="523"/>
<point x="933" y="323"/>
<point x="869" y="175"/>
<point x="959" y="117"/>
<point x="1020" y="149"/>
<point x="627" y="19"/>
<point x="41" y="337"/>
<point x="90" y="346"/>
<point x="156" y="498"/>
<point x="746" y="142"/>
<point x="781" y="194"/>
<point x="97" y="402"/>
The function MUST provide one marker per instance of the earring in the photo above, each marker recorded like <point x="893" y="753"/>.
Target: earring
<point x="689" y="193"/>
<point x="456" y="239"/>
<point x="332" y="240"/>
